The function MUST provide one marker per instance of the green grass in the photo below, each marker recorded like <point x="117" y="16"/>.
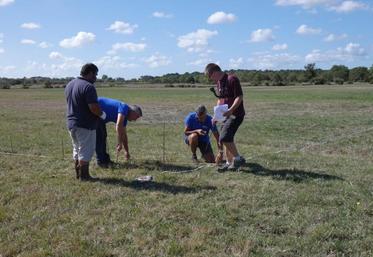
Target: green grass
<point x="306" y="190"/>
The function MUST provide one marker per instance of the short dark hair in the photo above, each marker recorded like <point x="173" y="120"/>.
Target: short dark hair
<point x="201" y="110"/>
<point x="88" y="68"/>
<point x="211" y="67"/>
<point x="137" y="109"/>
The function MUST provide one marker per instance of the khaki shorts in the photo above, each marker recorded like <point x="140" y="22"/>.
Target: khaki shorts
<point x="84" y="143"/>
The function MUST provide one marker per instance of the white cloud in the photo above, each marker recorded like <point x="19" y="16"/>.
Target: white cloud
<point x="349" y="6"/>
<point x="269" y="61"/>
<point x="122" y="27"/>
<point x="157" y="60"/>
<point x="221" y="17"/>
<point x="162" y="15"/>
<point x="44" y="45"/>
<point x="67" y="65"/>
<point x="235" y="63"/>
<point x="333" y="37"/>
<point x="112" y="62"/>
<point x="199" y="62"/>
<point x="280" y="47"/>
<point x="30" y="25"/>
<point x="56" y="56"/>
<point x="196" y="41"/>
<point x="6" y="69"/>
<point x="306" y="4"/>
<point x="353" y="49"/>
<point x="350" y="52"/>
<point x="262" y="35"/>
<point x="82" y="38"/>
<point x="28" y="42"/>
<point x="2" y="50"/>
<point x="128" y="46"/>
<point x="333" y="5"/>
<point x="305" y="30"/>
<point x="6" y="2"/>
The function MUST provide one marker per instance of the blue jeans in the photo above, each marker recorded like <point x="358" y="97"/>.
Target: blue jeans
<point x="101" y="135"/>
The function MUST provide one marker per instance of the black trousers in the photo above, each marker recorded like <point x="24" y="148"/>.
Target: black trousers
<point x="101" y="136"/>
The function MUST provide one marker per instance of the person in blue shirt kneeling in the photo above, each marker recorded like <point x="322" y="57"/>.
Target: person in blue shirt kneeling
<point x="196" y="134"/>
<point x="119" y="113"/>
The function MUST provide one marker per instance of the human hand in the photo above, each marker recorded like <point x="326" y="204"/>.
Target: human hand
<point x="103" y="115"/>
<point x="228" y="113"/>
<point x="201" y="132"/>
<point x="219" y="158"/>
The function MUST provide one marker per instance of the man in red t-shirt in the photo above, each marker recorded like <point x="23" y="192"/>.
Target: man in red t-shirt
<point x="229" y="92"/>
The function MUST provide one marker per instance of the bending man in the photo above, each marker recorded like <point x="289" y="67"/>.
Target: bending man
<point x="119" y="113"/>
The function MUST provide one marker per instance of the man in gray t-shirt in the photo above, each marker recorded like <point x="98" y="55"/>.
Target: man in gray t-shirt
<point x="82" y="115"/>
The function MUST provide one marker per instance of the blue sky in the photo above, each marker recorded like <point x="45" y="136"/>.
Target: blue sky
<point x="153" y="37"/>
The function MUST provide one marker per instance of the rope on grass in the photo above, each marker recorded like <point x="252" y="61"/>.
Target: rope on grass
<point x="189" y="170"/>
<point x="27" y="155"/>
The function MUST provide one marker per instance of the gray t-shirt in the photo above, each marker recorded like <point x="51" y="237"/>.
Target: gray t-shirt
<point x="79" y="93"/>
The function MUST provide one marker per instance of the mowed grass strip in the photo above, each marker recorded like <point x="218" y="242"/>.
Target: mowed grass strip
<point x="306" y="189"/>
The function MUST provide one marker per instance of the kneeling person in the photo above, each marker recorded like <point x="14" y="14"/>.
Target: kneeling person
<point x="119" y="113"/>
<point x="197" y="127"/>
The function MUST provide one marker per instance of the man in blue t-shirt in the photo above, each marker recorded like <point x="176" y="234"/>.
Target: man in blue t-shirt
<point x="119" y="113"/>
<point x="196" y="134"/>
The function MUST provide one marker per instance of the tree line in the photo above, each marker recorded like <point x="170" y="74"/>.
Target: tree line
<point x="338" y="74"/>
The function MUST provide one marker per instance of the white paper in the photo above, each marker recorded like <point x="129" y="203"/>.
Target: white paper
<point x="219" y="110"/>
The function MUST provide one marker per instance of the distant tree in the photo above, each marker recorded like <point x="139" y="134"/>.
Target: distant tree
<point x="310" y="71"/>
<point x="277" y="80"/>
<point x="104" y="78"/>
<point x="371" y="74"/>
<point x="339" y="73"/>
<point x="359" y="74"/>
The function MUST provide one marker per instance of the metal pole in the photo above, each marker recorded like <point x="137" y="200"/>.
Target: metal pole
<point x="164" y="141"/>
<point x="62" y="148"/>
<point x="11" y="144"/>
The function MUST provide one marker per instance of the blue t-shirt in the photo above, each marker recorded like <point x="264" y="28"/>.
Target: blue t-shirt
<point x="192" y="123"/>
<point x="112" y="107"/>
<point x="79" y="93"/>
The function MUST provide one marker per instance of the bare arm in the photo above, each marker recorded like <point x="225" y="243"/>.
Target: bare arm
<point x="122" y="138"/>
<point x="188" y="132"/>
<point x="236" y="103"/>
<point x="216" y="135"/>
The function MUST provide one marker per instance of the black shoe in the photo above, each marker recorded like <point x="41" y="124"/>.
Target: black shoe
<point x="194" y="159"/>
<point x="84" y="173"/>
<point x="106" y="165"/>
<point x="77" y="170"/>
<point x="223" y="168"/>
<point x="103" y="165"/>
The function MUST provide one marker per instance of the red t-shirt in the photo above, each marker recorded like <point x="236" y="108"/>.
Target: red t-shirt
<point x="229" y="87"/>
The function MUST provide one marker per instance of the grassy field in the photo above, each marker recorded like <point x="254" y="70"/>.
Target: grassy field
<point x="306" y="190"/>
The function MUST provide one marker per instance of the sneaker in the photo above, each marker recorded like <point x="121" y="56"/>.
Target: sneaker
<point x="223" y="168"/>
<point x="236" y="164"/>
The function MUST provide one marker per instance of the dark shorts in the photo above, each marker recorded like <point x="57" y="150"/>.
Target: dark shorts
<point x="229" y="128"/>
<point x="204" y="147"/>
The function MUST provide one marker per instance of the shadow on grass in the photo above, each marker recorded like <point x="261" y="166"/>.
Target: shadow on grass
<point x="286" y="174"/>
<point x="153" y="165"/>
<point x="153" y="186"/>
